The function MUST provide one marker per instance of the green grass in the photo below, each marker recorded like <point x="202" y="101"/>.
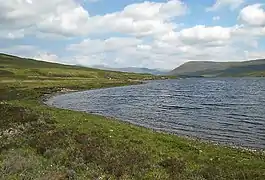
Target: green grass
<point x="40" y="142"/>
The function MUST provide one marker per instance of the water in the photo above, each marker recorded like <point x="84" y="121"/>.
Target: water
<point x="223" y="110"/>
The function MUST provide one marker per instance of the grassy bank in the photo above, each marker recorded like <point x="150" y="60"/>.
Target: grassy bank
<point x="40" y="142"/>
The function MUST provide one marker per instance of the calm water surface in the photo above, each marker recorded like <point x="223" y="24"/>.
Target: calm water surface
<point x="230" y="111"/>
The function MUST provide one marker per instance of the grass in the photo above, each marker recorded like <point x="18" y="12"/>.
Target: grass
<point x="40" y="142"/>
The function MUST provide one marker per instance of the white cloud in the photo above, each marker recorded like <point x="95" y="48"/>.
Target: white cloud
<point x="248" y="31"/>
<point x="201" y="36"/>
<point x="151" y="10"/>
<point x="142" y="19"/>
<point x="174" y="47"/>
<point x="196" y="43"/>
<point x="94" y="46"/>
<point x="231" y="4"/>
<point x="58" y="16"/>
<point x="45" y="56"/>
<point x="72" y="21"/>
<point x="253" y="15"/>
<point x="22" y="50"/>
<point x="29" y="51"/>
<point x="201" y="33"/>
<point x="69" y="18"/>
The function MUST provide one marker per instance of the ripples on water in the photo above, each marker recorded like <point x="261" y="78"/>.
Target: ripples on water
<point x="230" y="111"/>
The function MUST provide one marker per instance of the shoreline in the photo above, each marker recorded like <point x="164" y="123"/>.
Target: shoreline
<point x="44" y="100"/>
<point x="63" y="90"/>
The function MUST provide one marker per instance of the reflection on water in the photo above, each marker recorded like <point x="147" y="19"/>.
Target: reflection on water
<point x="224" y="110"/>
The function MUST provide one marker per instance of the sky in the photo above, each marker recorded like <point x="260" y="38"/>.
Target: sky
<point x="161" y="34"/>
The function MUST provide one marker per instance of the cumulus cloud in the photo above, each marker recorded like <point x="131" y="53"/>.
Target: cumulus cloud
<point x="231" y="4"/>
<point x="69" y="18"/>
<point x="153" y="10"/>
<point x="45" y="56"/>
<point x="58" y="16"/>
<point x="22" y="50"/>
<point x="248" y="31"/>
<point x="142" y="19"/>
<point x="202" y="33"/>
<point x="200" y="42"/>
<point x="197" y="43"/>
<point x="98" y="46"/>
<point x="253" y="15"/>
<point x="29" y="51"/>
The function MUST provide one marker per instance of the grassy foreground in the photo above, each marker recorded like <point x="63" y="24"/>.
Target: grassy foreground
<point x="40" y="142"/>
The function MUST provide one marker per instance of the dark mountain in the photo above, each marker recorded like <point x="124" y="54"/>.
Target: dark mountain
<point x="214" y="69"/>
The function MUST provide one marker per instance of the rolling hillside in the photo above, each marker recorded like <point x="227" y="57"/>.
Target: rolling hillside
<point x="22" y="68"/>
<point x="216" y="69"/>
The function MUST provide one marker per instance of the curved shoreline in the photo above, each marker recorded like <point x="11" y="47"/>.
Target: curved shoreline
<point x="63" y="91"/>
<point x="46" y="98"/>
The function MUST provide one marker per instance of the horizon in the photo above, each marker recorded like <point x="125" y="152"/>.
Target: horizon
<point x="102" y="66"/>
<point x="153" y="34"/>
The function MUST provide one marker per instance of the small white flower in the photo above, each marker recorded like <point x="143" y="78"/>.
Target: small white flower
<point x="111" y="130"/>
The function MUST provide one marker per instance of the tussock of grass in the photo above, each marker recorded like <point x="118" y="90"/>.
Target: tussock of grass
<point x="40" y="142"/>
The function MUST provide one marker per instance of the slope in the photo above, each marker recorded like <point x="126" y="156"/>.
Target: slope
<point x="22" y="68"/>
<point x="208" y="68"/>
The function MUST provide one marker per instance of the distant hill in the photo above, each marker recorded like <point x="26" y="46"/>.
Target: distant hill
<point x="134" y="70"/>
<point x="216" y="69"/>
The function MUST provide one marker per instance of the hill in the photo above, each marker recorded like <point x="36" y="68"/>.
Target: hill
<point x="216" y="69"/>
<point x="23" y="68"/>
<point x="133" y="70"/>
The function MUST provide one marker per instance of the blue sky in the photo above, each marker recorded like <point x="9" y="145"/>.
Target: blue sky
<point x="154" y="34"/>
